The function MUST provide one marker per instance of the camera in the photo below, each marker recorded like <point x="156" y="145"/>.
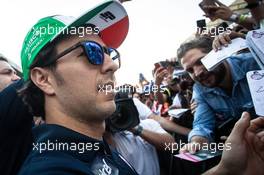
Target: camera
<point x="126" y="115"/>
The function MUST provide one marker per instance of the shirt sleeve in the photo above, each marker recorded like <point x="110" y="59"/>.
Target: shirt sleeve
<point x="204" y="120"/>
<point x="152" y="125"/>
<point x="143" y="110"/>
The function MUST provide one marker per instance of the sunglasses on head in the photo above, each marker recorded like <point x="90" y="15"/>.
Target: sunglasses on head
<point x="93" y="51"/>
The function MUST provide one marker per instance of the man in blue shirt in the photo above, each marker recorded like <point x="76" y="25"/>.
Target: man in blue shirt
<point x="70" y="81"/>
<point x="220" y="94"/>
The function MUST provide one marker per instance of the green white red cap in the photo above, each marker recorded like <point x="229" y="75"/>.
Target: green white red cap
<point x="110" y="18"/>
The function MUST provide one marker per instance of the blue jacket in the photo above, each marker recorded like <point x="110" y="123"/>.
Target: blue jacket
<point x="212" y="101"/>
<point x="58" y="150"/>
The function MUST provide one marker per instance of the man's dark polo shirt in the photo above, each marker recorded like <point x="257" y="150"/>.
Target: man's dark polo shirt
<point x="62" y="155"/>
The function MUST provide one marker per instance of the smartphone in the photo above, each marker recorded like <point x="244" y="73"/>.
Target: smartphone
<point x="200" y="155"/>
<point x="207" y="3"/>
<point x="201" y="24"/>
<point x="164" y="64"/>
<point x="158" y="65"/>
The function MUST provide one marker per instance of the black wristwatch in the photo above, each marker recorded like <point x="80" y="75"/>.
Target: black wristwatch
<point x="234" y="17"/>
<point x="253" y="5"/>
<point x="138" y="130"/>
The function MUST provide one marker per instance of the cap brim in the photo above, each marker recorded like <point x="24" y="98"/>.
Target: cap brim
<point x="110" y="17"/>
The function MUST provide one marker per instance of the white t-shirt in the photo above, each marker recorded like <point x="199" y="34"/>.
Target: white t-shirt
<point x="138" y="152"/>
<point x="143" y="110"/>
<point x="176" y="101"/>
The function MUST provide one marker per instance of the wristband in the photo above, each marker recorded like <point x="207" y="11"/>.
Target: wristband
<point x="139" y="130"/>
<point x="242" y="18"/>
<point x="253" y="5"/>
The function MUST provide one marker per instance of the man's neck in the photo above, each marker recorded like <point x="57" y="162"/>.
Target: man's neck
<point x="227" y="83"/>
<point x="94" y="129"/>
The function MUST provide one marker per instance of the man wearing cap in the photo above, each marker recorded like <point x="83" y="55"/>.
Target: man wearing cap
<point x="67" y="78"/>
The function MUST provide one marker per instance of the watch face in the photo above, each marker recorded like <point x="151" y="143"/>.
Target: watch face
<point x="234" y="17"/>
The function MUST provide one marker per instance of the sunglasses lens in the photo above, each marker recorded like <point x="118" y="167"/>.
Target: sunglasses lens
<point x="114" y="55"/>
<point x="94" y="53"/>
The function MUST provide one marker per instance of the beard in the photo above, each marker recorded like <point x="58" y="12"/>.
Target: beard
<point x="213" y="78"/>
<point x="220" y="72"/>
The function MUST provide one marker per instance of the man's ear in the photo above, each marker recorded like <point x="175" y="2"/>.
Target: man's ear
<point x="41" y="77"/>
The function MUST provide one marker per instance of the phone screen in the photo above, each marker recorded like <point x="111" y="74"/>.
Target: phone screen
<point x="201" y="23"/>
<point x="164" y="64"/>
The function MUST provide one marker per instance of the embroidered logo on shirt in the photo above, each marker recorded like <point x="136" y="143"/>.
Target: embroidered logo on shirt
<point x="101" y="166"/>
<point x="106" y="170"/>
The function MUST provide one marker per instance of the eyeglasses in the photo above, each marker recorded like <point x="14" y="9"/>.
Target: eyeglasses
<point x="93" y="51"/>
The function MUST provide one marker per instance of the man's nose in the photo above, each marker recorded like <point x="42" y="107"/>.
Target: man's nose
<point x="109" y="65"/>
<point x="198" y="71"/>
<point x="15" y="77"/>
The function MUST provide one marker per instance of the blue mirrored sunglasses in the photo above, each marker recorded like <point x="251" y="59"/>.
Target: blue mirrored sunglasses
<point x="94" y="53"/>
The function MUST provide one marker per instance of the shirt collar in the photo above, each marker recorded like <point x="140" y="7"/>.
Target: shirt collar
<point x="236" y="71"/>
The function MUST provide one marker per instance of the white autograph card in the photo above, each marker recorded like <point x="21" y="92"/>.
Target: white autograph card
<point x="212" y="59"/>
<point x="256" y="85"/>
